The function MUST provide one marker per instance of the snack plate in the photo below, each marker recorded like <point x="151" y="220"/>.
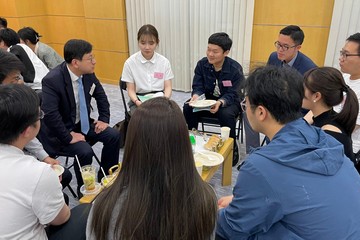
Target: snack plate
<point x="202" y="103"/>
<point x="209" y="158"/>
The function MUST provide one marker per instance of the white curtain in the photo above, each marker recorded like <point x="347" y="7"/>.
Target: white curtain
<point x="184" y="27"/>
<point x="345" y="22"/>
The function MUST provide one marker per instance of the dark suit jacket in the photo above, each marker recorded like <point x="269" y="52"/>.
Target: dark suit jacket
<point x="302" y="62"/>
<point x="58" y="103"/>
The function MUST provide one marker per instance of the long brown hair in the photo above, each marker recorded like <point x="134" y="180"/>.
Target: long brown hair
<point x="163" y="195"/>
<point x="330" y="83"/>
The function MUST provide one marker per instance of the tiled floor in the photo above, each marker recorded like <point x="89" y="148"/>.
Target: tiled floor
<point x="117" y="114"/>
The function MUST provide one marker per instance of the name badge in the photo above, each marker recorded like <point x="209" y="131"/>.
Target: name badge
<point x="227" y="83"/>
<point x="92" y="89"/>
<point x="158" y="75"/>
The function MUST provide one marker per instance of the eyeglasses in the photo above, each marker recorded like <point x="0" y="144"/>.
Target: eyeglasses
<point x="91" y="59"/>
<point x="344" y="54"/>
<point x="41" y="114"/>
<point x="18" y="77"/>
<point x="243" y="105"/>
<point x="283" y="47"/>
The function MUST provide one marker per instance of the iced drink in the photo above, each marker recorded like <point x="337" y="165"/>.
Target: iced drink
<point x="88" y="174"/>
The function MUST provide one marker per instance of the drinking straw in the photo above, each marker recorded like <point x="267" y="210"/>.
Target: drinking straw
<point x="104" y="173"/>
<point x="77" y="159"/>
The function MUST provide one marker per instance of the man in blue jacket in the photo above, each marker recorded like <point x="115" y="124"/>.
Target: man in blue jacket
<point x="287" y="54"/>
<point x="300" y="185"/>
<point x="217" y="77"/>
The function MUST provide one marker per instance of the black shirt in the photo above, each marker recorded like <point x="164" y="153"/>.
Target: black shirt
<point x="328" y="118"/>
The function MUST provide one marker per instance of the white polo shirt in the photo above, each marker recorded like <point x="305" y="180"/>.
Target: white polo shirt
<point x="40" y="69"/>
<point x="148" y="75"/>
<point x="30" y="195"/>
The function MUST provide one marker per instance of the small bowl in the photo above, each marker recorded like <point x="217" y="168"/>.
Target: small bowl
<point x="58" y="169"/>
<point x="92" y="192"/>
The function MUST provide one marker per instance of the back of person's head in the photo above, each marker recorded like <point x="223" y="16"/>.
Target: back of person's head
<point x="9" y="63"/>
<point x="222" y="40"/>
<point x="149" y="30"/>
<point x="295" y="32"/>
<point x="76" y="49"/>
<point x="9" y="36"/>
<point x="355" y="38"/>
<point x="330" y="83"/>
<point x="28" y="33"/>
<point x="279" y="90"/>
<point x="3" y="22"/>
<point x="19" y="108"/>
<point x="163" y="195"/>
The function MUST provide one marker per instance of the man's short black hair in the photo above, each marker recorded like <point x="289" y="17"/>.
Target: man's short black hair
<point x="222" y="40"/>
<point x="279" y="89"/>
<point x="19" y="108"/>
<point x="8" y="64"/>
<point x="355" y="38"/>
<point x="3" y="22"/>
<point x="295" y="32"/>
<point x="76" y="49"/>
<point x="9" y="36"/>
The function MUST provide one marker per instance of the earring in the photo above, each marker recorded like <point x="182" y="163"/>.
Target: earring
<point x="314" y="101"/>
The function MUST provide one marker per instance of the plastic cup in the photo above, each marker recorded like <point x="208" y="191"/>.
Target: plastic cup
<point x="108" y="180"/>
<point x="88" y="173"/>
<point x="225" y="132"/>
<point x="199" y="166"/>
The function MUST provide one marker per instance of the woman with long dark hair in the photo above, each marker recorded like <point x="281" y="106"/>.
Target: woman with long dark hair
<point x="158" y="193"/>
<point x="325" y="88"/>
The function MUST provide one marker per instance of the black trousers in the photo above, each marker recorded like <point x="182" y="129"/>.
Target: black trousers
<point x="75" y="228"/>
<point x="227" y="117"/>
<point x="109" y="155"/>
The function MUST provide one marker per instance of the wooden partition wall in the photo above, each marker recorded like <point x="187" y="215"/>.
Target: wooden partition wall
<point x="102" y="23"/>
<point x="314" y="18"/>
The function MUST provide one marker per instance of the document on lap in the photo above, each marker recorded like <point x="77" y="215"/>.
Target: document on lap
<point x="146" y="97"/>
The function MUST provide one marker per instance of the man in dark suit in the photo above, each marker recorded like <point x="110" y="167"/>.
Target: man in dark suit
<point x="287" y="54"/>
<point x="67" y="93"/>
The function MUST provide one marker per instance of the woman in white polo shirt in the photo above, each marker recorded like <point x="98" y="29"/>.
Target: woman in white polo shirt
<point x="147" y="71"/>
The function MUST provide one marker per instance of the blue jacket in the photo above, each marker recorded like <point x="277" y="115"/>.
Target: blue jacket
<point x="302" y="62"/>
<point x="204" y="80"/>
<point x="299" y="186"/>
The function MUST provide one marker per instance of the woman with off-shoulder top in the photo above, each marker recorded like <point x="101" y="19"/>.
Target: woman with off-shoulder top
<point x="325" y="88"/>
